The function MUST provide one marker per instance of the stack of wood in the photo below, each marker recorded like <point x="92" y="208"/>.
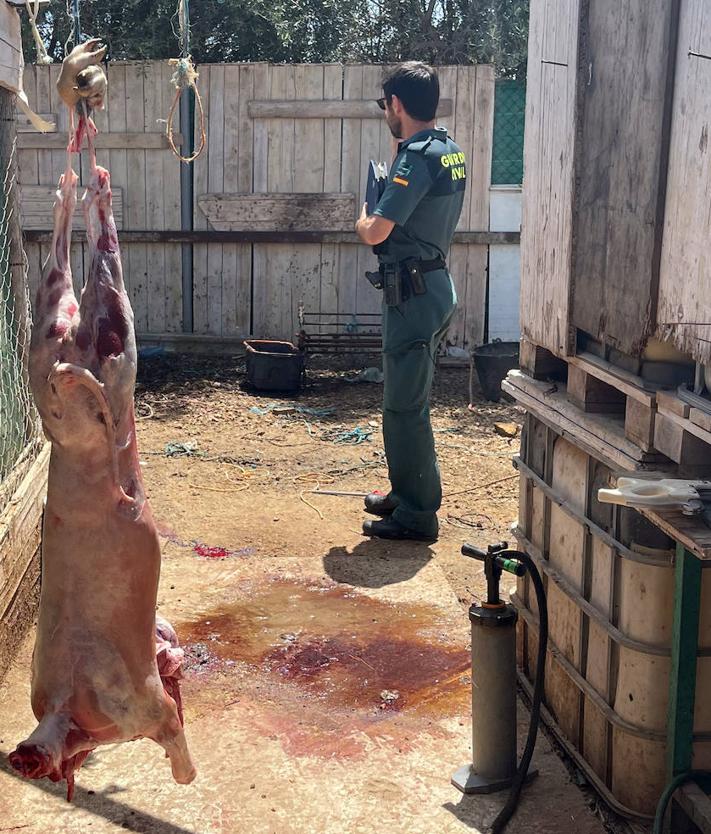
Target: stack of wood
<point x="616" y="324"/>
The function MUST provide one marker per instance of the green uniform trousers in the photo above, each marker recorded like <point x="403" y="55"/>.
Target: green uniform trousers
<point x="412" y="333"/>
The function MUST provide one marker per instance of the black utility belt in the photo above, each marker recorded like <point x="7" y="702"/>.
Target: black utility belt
<point x="401" y="279"/>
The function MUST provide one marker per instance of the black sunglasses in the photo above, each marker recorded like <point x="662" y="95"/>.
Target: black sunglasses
<point x="381" y="103"/>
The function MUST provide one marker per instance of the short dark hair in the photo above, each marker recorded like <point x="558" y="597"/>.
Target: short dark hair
<point x="417" y="86"/>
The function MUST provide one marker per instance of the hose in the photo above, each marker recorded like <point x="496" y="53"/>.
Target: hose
<point x="507" y="811"/>
<point x="665" y="798"/>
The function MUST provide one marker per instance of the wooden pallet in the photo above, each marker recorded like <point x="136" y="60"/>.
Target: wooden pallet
<point x="595" y="385"/>
<point x="657" y="421"/>
<point x="600" y="435"/>
<point x="683" y="433"/>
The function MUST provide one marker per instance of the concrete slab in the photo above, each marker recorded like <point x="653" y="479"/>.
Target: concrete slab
<point x="312" y="706"/>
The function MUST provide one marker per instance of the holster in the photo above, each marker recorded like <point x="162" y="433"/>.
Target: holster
<point x="414" y="272"/>
<point x="392" y="284"/>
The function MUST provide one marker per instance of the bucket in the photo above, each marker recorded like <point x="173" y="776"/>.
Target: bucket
<point x="274" y="366"/>
<point x="492" y="363"/>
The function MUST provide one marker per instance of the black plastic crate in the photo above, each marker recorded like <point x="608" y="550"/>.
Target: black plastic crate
<point x="274" y="366"/>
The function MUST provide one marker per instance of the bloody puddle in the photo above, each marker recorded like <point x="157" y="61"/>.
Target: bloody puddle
<point x="338" y="648"/>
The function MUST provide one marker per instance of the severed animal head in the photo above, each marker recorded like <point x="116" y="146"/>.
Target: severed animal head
<point x="81" y="77"/>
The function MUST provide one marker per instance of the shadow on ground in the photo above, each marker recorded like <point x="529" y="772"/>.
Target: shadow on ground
<point x="102" y="804"/>
<point x="375" y="563"/>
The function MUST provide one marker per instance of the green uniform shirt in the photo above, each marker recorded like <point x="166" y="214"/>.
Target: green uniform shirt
<point x="423" y="197"/>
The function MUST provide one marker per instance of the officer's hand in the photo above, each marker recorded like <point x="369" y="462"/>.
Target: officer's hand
<point x="81" y="77"/>
<point x="363" y="212"/>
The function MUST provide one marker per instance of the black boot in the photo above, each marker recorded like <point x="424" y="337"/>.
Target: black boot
<point x="388" y="528"/>
<point x="378" y="504"/>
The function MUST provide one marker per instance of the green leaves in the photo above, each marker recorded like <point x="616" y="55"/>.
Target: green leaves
<point x="305" y="31"/>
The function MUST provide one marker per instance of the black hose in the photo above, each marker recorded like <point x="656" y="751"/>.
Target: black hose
<point x="507" y="811"/>
<point x="666" y="796"/>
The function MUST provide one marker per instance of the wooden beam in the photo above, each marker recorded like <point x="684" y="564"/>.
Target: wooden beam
<point x="24" y="125"/>
<point x="279" y="212"/>
<point x="335" y="109"/>
<point x="696" y="805"/>
<point x="601" y="436"/>
<point x="103" y="141"/>
<point x="194" y="343"/>
<point x="213" y="236"/>
<point x="19" y="525"/>
<point x="37" y="208"/>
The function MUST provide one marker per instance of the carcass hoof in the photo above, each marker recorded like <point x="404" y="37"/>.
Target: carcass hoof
<point x="31" y="761"/>
<point x="185" y="777"/>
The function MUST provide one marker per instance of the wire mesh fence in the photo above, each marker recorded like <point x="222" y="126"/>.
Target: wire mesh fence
<point x="20" y="429"/>
<point x="509" y="118"/>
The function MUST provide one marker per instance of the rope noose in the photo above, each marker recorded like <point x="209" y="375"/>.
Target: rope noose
<point x="185" y="77"/>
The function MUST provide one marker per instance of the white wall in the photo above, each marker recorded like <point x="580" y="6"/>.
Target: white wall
<point x="504" y="264"/>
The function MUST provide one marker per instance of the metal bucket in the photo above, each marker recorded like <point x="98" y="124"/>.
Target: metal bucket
<point x="492" y="363"/>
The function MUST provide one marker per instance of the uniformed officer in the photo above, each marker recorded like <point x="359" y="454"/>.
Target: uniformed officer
<point x="411" y="231"/>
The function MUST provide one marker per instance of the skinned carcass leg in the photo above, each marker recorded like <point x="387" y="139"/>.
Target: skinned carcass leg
<point x="103" y="669"/>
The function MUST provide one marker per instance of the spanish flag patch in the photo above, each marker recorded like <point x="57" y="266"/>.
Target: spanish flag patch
<point x="401" y="181"/>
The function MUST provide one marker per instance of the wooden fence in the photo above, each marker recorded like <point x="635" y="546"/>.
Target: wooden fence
<point x="272" y="131"/>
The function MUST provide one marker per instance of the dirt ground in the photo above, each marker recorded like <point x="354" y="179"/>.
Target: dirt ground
<point x="209" y="444"/>
<point x="279" y="457"/>
<point x="327" y="679"/>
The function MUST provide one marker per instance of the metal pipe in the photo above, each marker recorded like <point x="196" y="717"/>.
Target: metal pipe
<point x="186" y="210"/>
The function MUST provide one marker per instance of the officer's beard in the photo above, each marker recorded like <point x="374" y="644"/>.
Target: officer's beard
<point x="395" y="126"/>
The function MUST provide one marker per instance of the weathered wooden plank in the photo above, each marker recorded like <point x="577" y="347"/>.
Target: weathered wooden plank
<point x="155" y="198"/>
<point x="591" y="394"/>
<point x="258" y="237"/>
<point x="135" y="197"/>
<point x="540" y="363"/>
<point x="310" y="153"/>
<point x="684" y="313"/>
<point x="375" y="144"/>
<point x="200" y="186"/>
<point x="352" y="173"/>
<point x="215" y="183"/>
<point x="260" y="145"/>
<point x="548" y="166"/>
<point x="58" y="163"/>
<point x="479" y="178"/>
<point x="332" y="89"/>
<point x="474" y="302"/>
<point x="618" y="160"/>
<point x="27" y="160"/>
<point x="245" y="175"/>
<point x="329" y="109"/>
<point x="37" y="201"/>
<point x="465" y="102"/>
<point x="171" y="215"/>
<point x="458" y="262"/>
<point x="639" y="423"/>
<point x="19" y="525"/>
<point x="104" y="141"/>
<point x="118" y="164"/>
<point x="683" y="442"/>
<point x="44" y="102"/>
<point x="277" y="264"/>
<point x="274" y="212"/>
<point x="232" y="147"/>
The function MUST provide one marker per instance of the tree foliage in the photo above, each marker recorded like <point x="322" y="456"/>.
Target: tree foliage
<point x="377" y="31"/>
